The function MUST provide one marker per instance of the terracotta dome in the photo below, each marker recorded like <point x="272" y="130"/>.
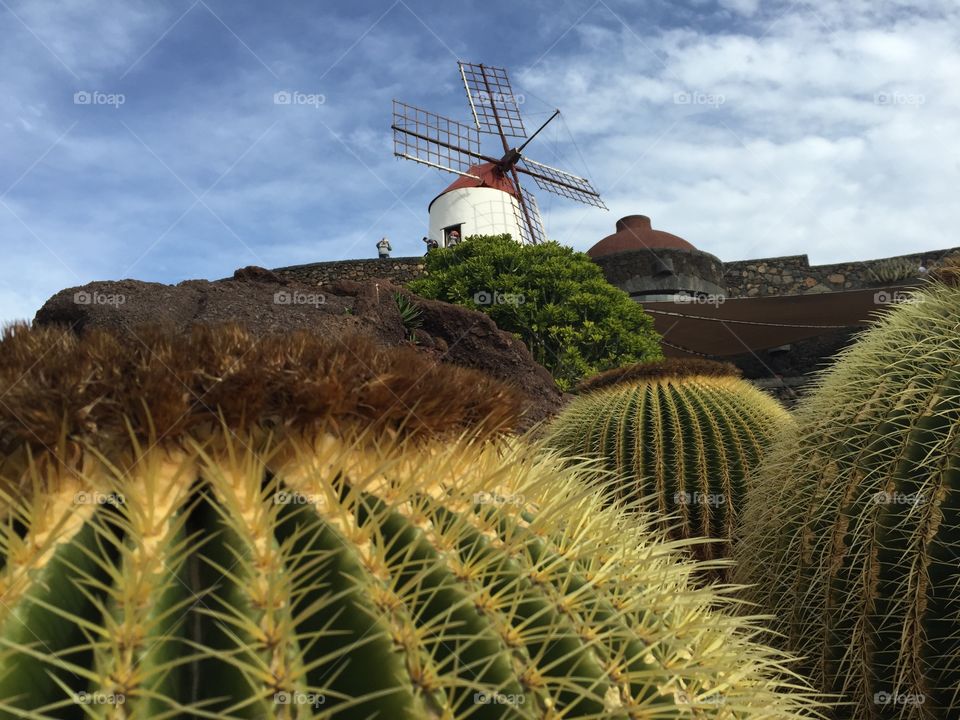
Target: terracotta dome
<point x="634" y="232"/>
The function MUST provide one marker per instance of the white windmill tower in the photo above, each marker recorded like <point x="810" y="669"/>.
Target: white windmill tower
<point x="487" y="198"/>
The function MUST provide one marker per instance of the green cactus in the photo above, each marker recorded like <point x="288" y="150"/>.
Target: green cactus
<point x="851" y="532"/>
<point x="259" y="557"/>
<point x="893" y="270"/>
<point x="683" y="435"/>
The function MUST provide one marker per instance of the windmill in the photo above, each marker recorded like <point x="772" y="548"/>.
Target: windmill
<point x="487" y="198"/>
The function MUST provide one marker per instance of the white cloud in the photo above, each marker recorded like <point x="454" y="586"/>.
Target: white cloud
<point x="828" y="140"/>
<point x="91" y="37"/>
<point x="743" y="7"/>
<point x="821" y="143"/>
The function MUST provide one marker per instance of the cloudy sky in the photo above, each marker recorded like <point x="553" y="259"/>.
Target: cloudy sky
<point x="140" y="138"/>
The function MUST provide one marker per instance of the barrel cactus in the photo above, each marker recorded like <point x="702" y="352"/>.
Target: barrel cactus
<point x="851" y="533"/>
<point x="220" y="527"/>
<point x="683" y="435"/>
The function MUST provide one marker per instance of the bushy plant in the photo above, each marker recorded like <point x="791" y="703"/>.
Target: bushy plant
<point x="554" y="299"/>
<point x="851" y="533"/>
<point x="682" y="435"/>
<point x="287" y="544"/>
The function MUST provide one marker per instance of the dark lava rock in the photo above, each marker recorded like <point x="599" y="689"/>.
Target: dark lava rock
<point x="265" y="303"/>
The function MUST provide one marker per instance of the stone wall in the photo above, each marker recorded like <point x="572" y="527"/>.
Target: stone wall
<point x="787" y="275"/>
<point x="399" y="270"/>
<point x="793" y="274"/>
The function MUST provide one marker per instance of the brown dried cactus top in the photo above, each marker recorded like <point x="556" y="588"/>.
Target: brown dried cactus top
<point x="95" y="388"/>
<point x="948" y="271"/>
<point x="659" y="369"/>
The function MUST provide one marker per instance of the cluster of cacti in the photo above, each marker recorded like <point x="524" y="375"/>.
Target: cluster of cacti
<point x="287" y="545"/>
<point x="852" y="531"/>
<point x="893" y="270"/>
<point x="681" y="437"/>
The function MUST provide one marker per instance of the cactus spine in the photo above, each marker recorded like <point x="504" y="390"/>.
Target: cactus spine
<point x="305" y="565"/>
<point x="851" y="534"/>
<point x="685" y="435"/>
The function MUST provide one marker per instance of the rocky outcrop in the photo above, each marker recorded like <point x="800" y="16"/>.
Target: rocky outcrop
<point x="265" y="303"/>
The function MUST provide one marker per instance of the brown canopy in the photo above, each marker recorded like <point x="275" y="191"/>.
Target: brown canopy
<point x="741" y="325"/>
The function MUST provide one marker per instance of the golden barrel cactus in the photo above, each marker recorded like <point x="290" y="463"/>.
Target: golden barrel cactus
<point x="222" y="527"/>
<point x="851" y="537"/>
<point x="680" y="436"/>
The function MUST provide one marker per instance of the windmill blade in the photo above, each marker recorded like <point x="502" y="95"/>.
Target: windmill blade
<point x="494" y="106"/>
<point x="561" y="183"/>
<point x="532" y="232"/>
<point x="434" y="140"/>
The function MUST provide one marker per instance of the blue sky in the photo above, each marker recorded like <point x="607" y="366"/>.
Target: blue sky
<point x="827" y="127"/>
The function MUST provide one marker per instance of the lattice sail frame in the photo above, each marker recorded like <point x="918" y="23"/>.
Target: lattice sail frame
<point x="532" y="233"/>
<point x="495" y="107"/>
<point x="561" y="183"/>
<point x="434" y="140"/>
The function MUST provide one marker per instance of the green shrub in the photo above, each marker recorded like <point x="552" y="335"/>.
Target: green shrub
<point x="554" y="299"/>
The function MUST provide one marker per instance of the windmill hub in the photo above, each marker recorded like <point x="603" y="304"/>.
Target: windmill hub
<point x="487" y="199"/>
<point x="510" y="160"/>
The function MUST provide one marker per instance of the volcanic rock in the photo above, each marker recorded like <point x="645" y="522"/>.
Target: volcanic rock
<point x="265" y="303"/>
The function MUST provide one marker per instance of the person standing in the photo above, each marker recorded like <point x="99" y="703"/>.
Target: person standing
<point x="431" y="244"/>
<point x="384" y="248"/>
<point x="453" y="238"/>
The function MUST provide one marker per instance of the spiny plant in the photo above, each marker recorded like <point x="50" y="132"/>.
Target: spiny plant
<point x="893" y="269"/>
<point x="851" y="533"/>
<point x="947" y="270"/>
<point x="683" y="435"/>
<point x="410" y="314"/>
<point x="231" y="528"/>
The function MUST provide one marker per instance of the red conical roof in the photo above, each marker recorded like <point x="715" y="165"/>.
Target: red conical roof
<point x="489" y="175"/>
<point x="634" y="232"/>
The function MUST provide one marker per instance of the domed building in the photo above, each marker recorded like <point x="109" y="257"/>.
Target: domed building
<point x="653" y="265"/>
